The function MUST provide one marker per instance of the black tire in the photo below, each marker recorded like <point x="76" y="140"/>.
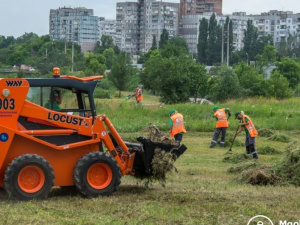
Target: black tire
<point x="41" y="176"/>
<point x="104" y="175"/>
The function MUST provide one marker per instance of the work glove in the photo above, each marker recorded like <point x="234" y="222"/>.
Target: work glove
<point x="229" y="115"/>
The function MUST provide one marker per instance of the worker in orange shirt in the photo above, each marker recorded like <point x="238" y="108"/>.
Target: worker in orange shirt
<point x="138" y="94"/>
<point x="221" y="125"/>
<point x="177" y="128"/>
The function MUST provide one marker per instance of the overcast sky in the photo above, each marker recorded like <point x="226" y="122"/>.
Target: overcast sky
<point x="20" y="16"/>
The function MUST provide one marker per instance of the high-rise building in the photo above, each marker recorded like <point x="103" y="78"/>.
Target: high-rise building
<point x="189" y="27"/>
<point x="128" y="34"/>
<point x="137" y="22"/>
<point x="196" y="7"/>
<point x="278" y="24"/>
<point x="77" y="25"/>
<point x="108" y="28"/>
<point x="159" y="16"/>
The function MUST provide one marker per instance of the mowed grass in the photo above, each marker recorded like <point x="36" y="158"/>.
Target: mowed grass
<point x="202" y="192"/>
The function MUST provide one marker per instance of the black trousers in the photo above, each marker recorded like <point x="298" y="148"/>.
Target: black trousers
<point x="178" y="137"/>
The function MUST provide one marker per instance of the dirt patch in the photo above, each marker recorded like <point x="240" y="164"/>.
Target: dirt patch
<point x="280" y="138"/>
<point x="268" y="151"/>
<point x="266" y="132"/>
<point x="237" y="158"/>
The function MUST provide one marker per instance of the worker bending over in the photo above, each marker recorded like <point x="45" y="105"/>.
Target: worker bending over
<point x="177" y="128"/>
<point x="247" y="125"/>
<point x="221" y="125"/>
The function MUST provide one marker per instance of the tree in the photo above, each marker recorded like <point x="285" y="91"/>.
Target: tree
<point x="95" y="63"/>
<point x="225" y="84"/>
<point x="202" y="40"/>
<point x="290" y="70"/>
<point x="279" y="86"/>
<point x="110" y="56"/>
<point x="175" y="87"/>
<point x="252" y="81"/>
<point x="250" y="40"/>
<point x="228" y="24"/>
<point x="164" y="37"/>
<point x="175" y="47"/>
<point x="153" y="72"/>
<point x="198" y="80"/>
<point x="120" y="72"/>
<point x="269" y="56"/>
<point x="213" y="50"/>
<point x="154" y="42"/>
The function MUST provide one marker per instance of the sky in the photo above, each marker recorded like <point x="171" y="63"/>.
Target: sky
<point x="24" y="16"/>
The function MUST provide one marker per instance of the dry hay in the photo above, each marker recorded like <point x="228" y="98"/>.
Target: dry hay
<point x="289" y="168"/>
<point x="265" y="132"/>
<point x="154" y="134"/>
<point x="259" y="176"/>
<point x="280" y="138"/>
<point x="268" y="151"/>
<point x="242" y="167"/>
<point x="237" y="158"/>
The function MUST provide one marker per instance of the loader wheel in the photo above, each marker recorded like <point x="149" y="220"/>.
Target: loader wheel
<point x="29" y="177"/>
<point x="97" y="173"/>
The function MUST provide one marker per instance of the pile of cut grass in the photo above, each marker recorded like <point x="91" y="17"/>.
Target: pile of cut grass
<point x="266" y="132"/>
<point x="268" y="151"/>
<point x="242" y="167"/>
<point x="289" y="167"/>
<point x="237" y="158"/>
<point x="162" y="163"/>
<point x="261" y="176"/>
<point x="280" y="138"/>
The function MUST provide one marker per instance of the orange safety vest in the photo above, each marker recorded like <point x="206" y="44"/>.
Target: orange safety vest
<point x="250" y="126"/>
<point x="178" y="125"/>
<point x="222" y="118"/>
<point x="138" y="94"/>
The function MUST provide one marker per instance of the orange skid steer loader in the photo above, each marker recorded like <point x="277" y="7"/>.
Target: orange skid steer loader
<point x="50" y="135"/>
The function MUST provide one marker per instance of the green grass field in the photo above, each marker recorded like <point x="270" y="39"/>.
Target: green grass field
<point x="202" y="192"/>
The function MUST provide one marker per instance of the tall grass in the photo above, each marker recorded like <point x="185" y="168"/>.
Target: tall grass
<point x="128" y="116"/>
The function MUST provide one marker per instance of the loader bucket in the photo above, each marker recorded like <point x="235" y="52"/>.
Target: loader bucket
<point x="143" y="160"/>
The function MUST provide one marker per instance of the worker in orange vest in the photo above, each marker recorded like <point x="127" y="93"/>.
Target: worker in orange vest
<point x="177" y="128"/>
<point x="221" y="125"/>
<point x="247" y="125"/>
<point x="138" y="94"/>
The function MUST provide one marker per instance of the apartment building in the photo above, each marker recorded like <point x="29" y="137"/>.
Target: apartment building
<point x="77" y="25"/>
<point x="278" y="24"/>
<point x="159" y="16"/>
<point x="189" y="27"/>
<point x="137" y="22"/>
<point x="107" y="27"/>
<point x="196" y="7"/>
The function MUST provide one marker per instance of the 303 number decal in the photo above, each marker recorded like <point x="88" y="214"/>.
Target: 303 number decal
<point x="7" y="104"/>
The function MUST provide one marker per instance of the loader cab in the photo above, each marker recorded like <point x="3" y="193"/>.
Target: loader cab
<point x="64" y="99"/>
<point x="76" y="94"/>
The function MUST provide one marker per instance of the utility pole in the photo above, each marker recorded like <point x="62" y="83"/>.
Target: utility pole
<point x="228" y="44"/>
<point x="222" y="52"/>
<point x="72" y="56"/>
